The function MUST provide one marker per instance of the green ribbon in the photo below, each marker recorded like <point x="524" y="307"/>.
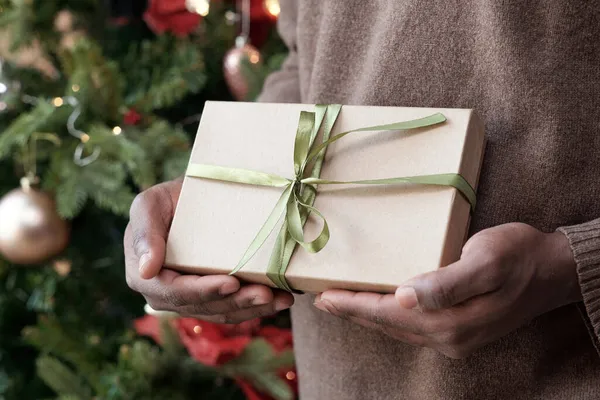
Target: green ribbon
<point x="296" y="202"/>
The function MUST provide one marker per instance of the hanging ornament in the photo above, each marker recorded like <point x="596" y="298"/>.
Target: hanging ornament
<point x="31" y="230"/>
<point x="235" y="61"/>
<point x="241" y="56"/>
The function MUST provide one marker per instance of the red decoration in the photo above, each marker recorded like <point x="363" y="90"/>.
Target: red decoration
<point x="215" y="344"/>
<point x="171" y="16"/>
<point x="132" y="117"/>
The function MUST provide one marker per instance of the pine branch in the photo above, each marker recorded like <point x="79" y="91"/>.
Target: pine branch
<point x="50" y="337"/>
<point x="127" y="151"/>
<point x="161" y="82"/>
<point x="118" y="201"/>
<point x="70" y="198"/>
<point x="19" y="132"/>
<point x="61" y="378"/>
<point x="259" y="364"/>
<point x="19" y="17"/>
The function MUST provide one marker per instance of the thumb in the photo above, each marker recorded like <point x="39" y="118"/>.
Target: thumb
<point x="446" y="287"/>
<point x="151" y="215"/>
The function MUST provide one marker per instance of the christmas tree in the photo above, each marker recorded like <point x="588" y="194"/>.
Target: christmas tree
<point x="100" y="100"/>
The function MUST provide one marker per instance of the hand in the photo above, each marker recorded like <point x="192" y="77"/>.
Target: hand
<point x="216" y="298"/>
<point x="506" y="276"/>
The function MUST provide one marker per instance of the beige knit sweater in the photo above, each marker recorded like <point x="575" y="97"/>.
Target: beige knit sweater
<point x="531" y="69"/>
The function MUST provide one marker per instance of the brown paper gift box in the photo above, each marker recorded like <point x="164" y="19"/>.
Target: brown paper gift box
<point x="380" y="235"/>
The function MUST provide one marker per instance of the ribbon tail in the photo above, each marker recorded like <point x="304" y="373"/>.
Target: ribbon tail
<point x="266" y="229"/>
<point x="430" y="120"/>
<point x="238" y="175"/>
<point x="278" y="262"/>
<point x="456" y="181"/>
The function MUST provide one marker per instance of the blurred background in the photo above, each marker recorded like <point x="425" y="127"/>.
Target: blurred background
<point x="99" y="100"/>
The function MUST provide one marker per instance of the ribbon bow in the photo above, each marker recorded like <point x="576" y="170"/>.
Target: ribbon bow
<point x="296" y="201"/>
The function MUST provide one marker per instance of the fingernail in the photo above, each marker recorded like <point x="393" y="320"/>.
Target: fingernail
<point x="319" y="303"/>
<point x="144" y="259"/>
<point x="281" y="305"/>
<point x="259" y="301"/>
<point x="407" y="297"/>
<point x="229" y="288"/>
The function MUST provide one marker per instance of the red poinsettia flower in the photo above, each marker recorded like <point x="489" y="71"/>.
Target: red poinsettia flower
<point x="280" y="339"/>
<point x="215" y="344"/>
<point x="211" y="344"/>
<point x="171" y="16"/>
<point x="132" y="117"/>
<point x="148" y="325"/>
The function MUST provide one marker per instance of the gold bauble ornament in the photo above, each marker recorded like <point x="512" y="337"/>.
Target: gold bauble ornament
<point x="31" y="231"/>
<point x="233" y="67"/>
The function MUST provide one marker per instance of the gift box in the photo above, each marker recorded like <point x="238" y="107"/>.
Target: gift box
<point x="260" y="168"/>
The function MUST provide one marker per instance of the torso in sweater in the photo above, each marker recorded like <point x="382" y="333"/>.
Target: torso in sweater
<point x="531" y="69"/>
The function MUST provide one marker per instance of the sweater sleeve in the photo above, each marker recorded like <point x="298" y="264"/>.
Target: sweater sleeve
<point x="584" y="240"/>
<point x="283" y="86"/>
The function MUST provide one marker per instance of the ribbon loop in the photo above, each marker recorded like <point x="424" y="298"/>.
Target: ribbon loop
<point x="297" y="200"/>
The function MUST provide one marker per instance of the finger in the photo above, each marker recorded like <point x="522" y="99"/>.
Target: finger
<point x="404" y="336"/>
<point x="150" y="216"/>
<point x="379" y="309"/>
<point x="448" y="286"/>
<point x="171" y="291"/>
<point x="281" y="301"/>
<point x="247" y="297"/>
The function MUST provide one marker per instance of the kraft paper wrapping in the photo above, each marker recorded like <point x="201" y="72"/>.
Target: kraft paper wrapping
<point x="380" y="236"/>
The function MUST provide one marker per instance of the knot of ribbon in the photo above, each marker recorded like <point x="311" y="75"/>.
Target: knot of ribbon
<point x="297" y="199"/>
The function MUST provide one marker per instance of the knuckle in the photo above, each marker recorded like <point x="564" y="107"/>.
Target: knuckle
<point x="139" y="202"/>
<point x="264" y="312"/>
<point x="175" y="299"/>
<point x="138" y="241"/>
<point x="442" y="295"/>
<point x="241" y="302"/>
<point x="201" y="309"/>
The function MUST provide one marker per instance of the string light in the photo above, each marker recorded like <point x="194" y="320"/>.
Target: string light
<point x="62" y="267"/>
<point x="85" y="138"/>
<point x="290" y="376"/>
<point x="3" y="106"/>
<point x="197" y="329"/>
<point x="75" y="88"/>
<point x="273" y="7"/>
<point x="201" y="7"/>
<point x="58" y="102"/>
<point x="117" y="130"/>
<point x="3" y="88"/>
<point x="254" y="58"/>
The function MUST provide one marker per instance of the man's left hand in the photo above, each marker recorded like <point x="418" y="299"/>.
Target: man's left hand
<point x="507" y="275"/>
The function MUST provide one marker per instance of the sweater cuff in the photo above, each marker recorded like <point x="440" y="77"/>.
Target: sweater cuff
<point x="584" y="240"/>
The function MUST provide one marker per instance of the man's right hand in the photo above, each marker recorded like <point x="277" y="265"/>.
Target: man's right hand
<point x="216" y="298"/>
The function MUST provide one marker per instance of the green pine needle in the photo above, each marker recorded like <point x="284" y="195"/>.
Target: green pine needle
<point x="61" y="378"/>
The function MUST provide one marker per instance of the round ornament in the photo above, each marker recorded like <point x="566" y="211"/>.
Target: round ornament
<point x="31" y="231"/>
<point x="233" y="67"/>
